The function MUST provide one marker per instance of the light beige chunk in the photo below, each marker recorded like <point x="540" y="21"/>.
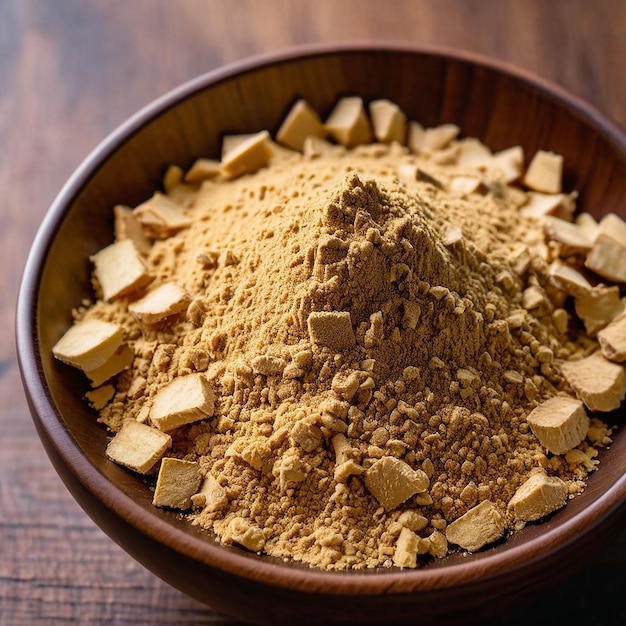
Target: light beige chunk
<point x="539" y="496"/>
<point x="464" y="183"/>
<point x="388" y="121"/>
<point x="342" y="447"/>
<point x="346" y="469"/>
<point x="572" y="236"/>
<point x="202" y="169"/>
<point x="248" y="157"/>
<point x="161" y="302"/>
<point x="172" y="178"/>
<point x="178" y="480"/>
<point x="119" y="361"/>
<point x="100" y="397"/>
<point x="570" y="280"/>
<point x="415" y="137"/>
<point x="392" y="481"/>
<point x="588" y="224"/>
<point x="599" y="383"/>
<point x="230" y="142"/>
<point x="332" y="329"/>
<point x="612" y="340"/>
<point x="244" y="533"/>
<point x="301" y="122"/>
<point x="345" y="384"/>
<point x="607" y="258"/>
<point x="405" y="554"/>
<point x="160" y="217"/>
<point x="88" y="344"/>
<point x="509" y="163"/>
<point x="613" y="226"/>
<point x="127" y="226"/>
<point x="480" y="526"/>
<point x="307" y="435"/>
<point x="185" y="400"/>
<point x="268" y="365"/>
<point x="473" y="153"/>
<point x="413" y="520"/>
<point x="558" y="205"/>
<point x="316" y="146"/>
<point x="544" y="172"/>
<point x="560" y="423"/>
<point x="439" y="137"/>
<point x="138" y="446"/>
<point x="599" y="307"/>
<point x="120" y="270"/>
<point x="348" y="123"/>
<point x="212" y="496"/>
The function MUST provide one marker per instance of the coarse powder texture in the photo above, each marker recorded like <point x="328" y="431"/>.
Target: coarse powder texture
<point x="343" y="312"/>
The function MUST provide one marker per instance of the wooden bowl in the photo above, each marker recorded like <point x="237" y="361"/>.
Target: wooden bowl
<point x="488" y="100"/>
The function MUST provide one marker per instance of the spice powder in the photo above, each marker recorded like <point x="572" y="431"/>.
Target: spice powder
<point x="360" y="329"/>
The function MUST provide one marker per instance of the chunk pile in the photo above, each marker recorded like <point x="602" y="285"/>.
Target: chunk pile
<point x="362" y="345"/>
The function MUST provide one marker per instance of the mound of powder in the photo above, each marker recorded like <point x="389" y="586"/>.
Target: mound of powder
<point x="374" y="343"/>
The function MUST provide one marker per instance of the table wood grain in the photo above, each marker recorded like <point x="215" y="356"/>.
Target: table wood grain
<point x="70" y="72"/>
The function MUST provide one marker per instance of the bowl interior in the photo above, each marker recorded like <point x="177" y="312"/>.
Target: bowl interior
<point x="502" y="109"/>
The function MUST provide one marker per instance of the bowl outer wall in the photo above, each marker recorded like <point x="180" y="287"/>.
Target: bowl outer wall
<point x="157" y="539"/>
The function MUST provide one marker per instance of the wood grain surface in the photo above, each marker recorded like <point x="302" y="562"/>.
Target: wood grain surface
<point x="73" y="70"/>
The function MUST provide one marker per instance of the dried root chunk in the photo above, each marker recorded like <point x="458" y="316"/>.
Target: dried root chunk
<point x="388" y="120"/>
<point x="559" y="423"/>
<point x="607" y="258"/>
<point x="599" y="307"/>
<point x="178" y="480"/>
<point x="307" y="435"/>
<point x="118" y="362"/>
<point x="612" y="340"/>
<point x="599" y="383"/>
<point x="392" y="482"/>
<point x="570" y="280"/>
<point x="539" y="496"/>
<point x="100" y="397"/>
<point x="165" y="300"/>
<point x="509" y="163"/>
<point x="301" y="122"/>
<point x="185" y="400"/>
<point x="127" y="226"/>
<point x="473" y="153"/>
<point x="572" y="236"/>
<point x="316" y="146"/>
<point x="405" y="554"/>
<point x="138" y="446"/>
<point x="613" y="226"/>
<point x="544" y="172"/>
<point x="480" y="526"/>
<point x="244" y="533"/>
<point x="415" y="137"/>
<point x="160" y="217"/>
<point x="348" y="123"/>
<point x="88" y="344"/>
<point x="332" y="329"/>
<point x="439" y="137"/>
<point x="557" y="205"/>
<point x="212" y="496"/>
<point x="120" y="270"/>
<point x="172" y="178"/>
<point x="201" y="170"/>
<point x="249" y="156"/>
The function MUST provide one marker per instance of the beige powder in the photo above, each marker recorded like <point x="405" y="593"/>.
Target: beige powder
<point x="343" y="311"/>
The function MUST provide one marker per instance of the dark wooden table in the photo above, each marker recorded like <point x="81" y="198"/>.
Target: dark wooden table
<point x="73" y="70"/>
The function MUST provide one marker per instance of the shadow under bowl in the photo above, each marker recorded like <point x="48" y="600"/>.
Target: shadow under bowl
<point x="496" y="103"/>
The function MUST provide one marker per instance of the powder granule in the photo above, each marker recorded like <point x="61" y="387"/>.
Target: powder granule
<point x="334" y="297"/>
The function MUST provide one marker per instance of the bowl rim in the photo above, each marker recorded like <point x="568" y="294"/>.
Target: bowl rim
<point x="59" y="438"/>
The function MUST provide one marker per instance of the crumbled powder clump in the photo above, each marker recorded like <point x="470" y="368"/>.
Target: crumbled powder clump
<point x="373" y="343"/>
